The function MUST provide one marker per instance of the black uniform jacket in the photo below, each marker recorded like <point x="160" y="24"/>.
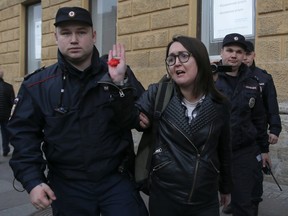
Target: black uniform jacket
<point x="190" y="162"/>
<point x="248" y="119"/>
<point x="77" y="118"/>
<point x="6" y="100"/>
<point x="269" y="96"/>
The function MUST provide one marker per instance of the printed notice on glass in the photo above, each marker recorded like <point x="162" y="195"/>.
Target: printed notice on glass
<point x="232" y="16"/>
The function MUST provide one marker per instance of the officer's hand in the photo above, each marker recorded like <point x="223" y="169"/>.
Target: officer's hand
<point x="117" y="63"/>
<point x="42" y="196"/>
<point x="266" y="159"/>
<point x="225" y="199"/>
<point x="144" y="121"/>
<point x="273" y="139"/>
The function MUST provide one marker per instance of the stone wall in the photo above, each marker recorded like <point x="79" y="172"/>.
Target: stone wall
<point x="146" y="27"/>
<point x="272" y="42"/>
<point x="272" y="54"/>
<point x="9" y="39"/>
<point x="279" y="151"/>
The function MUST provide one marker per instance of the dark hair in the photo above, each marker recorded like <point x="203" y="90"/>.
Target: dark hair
<point x="204" y="83"/>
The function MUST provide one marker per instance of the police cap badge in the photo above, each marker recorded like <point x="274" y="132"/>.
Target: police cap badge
<point x="68" y="14"/>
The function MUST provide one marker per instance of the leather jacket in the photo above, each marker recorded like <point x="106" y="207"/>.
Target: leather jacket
<point x="190" y="162"/>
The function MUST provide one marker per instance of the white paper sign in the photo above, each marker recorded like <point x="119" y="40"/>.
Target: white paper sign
<point x="232" y="16"/>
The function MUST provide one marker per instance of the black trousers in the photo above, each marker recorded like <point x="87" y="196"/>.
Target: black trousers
<point x="244" y="169"/>
<point x="160" y="204"/>
<point x="111" y="196"/>
<point x="5" y="137"/>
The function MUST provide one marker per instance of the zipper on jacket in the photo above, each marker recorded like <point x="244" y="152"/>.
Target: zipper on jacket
<point x="121" y="92"/>
<point x="197" y="152"/>
<point x="197" y="158"/>
<point x="195" y="177"/>
<point x="159" y="150"/>
<point x="210" y="131"/>
<point x="197" y="166"/>
<point x="214" y="167"/>
<point x="161" y="165"/>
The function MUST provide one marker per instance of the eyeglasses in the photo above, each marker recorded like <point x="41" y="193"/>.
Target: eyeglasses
<point x="182" y="56"/>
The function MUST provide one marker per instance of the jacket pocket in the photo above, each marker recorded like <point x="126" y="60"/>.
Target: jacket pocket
<point x="160" y="161"/>
<point x="161" y="165"/>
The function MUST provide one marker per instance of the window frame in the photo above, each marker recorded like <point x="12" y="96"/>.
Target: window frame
<point x="33" y="42"/>
<point x="104" y="18"/>
<point x="206" y="30"/>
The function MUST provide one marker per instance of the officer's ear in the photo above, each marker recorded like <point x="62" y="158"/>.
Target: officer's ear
<point x="56" y="35"/>
<point x="94" y="36"/>
<point x="56" y="38"/>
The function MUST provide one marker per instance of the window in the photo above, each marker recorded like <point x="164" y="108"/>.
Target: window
<point x="221" y="17"/>
<point x="34" y="34"/>
<point x="104" y="15"/>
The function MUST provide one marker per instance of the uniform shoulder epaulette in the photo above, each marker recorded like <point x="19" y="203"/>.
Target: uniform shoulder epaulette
<point x="264" y="71"/>
<point x="34" y="72"/>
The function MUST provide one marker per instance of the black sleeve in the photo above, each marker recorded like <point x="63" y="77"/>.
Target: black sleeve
<point x="25" y="128"/>
<point x="272" y="108"/>
<point x="225" y="152"/>
<point x="259" y="120"/>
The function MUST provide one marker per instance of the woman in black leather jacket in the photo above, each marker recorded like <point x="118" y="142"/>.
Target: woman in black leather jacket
<point x="191" y="156"/>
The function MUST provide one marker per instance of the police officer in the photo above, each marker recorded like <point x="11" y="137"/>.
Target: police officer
<point x="75" y="112"/>
<point x="269" y="96"/>
<point x="7" y="96"/>
<point x="248" y="124"/>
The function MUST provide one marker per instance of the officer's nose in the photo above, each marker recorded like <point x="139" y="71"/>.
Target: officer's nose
<point x="74" y="38"/>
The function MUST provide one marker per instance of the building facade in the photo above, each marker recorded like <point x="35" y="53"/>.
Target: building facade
<point x="145" y="27"/>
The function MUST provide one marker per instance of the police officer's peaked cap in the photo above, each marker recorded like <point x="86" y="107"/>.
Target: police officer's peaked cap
<point x="234" y="38"/>
<point x="249" y="46"/>
<point x="70" y="14"/>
